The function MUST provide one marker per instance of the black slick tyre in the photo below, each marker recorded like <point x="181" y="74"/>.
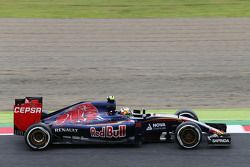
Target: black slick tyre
<point x="188" y="135"/>
<point x="187" y="113"/>
<point x="38" y="136"/>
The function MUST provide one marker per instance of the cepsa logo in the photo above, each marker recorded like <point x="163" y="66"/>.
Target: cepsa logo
<point x="109" y="132"/>
<point x="24" y="110"/>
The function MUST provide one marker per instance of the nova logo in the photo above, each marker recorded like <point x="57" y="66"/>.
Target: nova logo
<point x="156" y="126"/>
<point x="159" y="125"/>
<point x="24" y="110"/>
<point x="109" y="132"/>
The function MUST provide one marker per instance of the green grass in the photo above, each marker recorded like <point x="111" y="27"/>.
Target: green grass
<point x="6" y="118"/>
<point x="123" y="8"/>
<point x="216" y="114"/>
<point x="230" y="116"/>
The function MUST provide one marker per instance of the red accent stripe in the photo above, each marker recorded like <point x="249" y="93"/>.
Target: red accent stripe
<point x="6" y="130"/>
<point x="247" y="128"/>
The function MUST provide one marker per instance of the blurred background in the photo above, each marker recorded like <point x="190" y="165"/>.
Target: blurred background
<point x="153" y="54"/>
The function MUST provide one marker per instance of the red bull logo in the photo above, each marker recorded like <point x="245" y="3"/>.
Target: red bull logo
<point x="109" y="132"/>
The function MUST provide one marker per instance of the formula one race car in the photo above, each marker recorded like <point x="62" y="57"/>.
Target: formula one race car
<point x="99" y="122"/>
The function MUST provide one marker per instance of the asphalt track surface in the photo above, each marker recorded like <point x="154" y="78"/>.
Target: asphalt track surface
<point x="150" y="63"/>
<point x="15" y="153"/>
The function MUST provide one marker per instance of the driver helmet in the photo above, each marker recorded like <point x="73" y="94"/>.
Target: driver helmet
<point x="125" y="111"/>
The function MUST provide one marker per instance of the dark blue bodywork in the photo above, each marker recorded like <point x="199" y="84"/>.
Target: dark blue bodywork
<point x="79" y="130"/>
<point x="100" y="122"/>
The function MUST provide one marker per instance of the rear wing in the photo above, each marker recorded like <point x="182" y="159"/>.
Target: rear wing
<point x="27" y="112"/>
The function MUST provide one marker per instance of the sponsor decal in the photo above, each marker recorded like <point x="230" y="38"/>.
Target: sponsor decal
<point x="156" y="126"/>
<point x="81" y="113"/>
<point x="109" y="132"/>
<point x="159" y="125"/>
<point x="26" y="115"/>
<point x="220" y="141"/>
<point x="149" y="127"/>
<point x="71" y="130"/>
<point x="24" y="110"/>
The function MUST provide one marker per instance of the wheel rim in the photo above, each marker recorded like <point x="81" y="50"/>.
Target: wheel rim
<point x="38" y="138"/>
<point x="188" y="136"/>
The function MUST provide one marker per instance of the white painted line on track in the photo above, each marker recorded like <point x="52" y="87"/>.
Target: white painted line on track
<point x="6" y="134"/>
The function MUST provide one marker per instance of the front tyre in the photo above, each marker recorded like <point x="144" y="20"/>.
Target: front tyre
<point x="38" y="137"/>
<point x="188" y="135"/>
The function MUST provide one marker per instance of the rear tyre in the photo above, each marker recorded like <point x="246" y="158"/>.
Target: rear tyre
<point x="187" y="113"/>
<point x="188" y="135"/>
<point x="38" y="136"/>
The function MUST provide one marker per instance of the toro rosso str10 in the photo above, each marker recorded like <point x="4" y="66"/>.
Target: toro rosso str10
<point x="100" y="122"/>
